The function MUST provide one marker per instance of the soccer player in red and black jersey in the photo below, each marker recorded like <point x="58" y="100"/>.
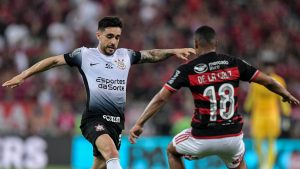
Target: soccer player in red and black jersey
<point x="216" y="127"/>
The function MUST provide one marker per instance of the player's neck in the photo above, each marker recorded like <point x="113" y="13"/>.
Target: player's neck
<point x="203" y="52"/>
<point x="99" y="49"/>
<point x="102" y="52"/>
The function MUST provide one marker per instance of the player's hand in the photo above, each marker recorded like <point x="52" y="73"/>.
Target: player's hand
<point x="184" y="53"/>
<point x="291" y="99"/>
<point x="14" y="82"/>
<point x="135" y="132"/>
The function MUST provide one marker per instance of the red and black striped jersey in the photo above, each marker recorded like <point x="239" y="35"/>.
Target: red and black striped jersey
<point x="213" y="80"/>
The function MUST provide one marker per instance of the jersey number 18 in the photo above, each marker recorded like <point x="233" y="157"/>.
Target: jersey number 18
<point x="226" y="93"/>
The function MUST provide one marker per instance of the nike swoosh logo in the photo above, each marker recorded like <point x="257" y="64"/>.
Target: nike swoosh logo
<point x="93" y="64"/>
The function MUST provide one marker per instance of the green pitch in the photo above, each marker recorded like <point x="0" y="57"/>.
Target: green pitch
<point x="58" y="167"/>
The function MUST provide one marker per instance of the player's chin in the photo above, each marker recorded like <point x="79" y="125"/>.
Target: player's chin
<point x="110" y="51"/>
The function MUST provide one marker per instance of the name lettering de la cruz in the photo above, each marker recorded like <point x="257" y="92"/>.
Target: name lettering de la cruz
<point x="215" y="76"/>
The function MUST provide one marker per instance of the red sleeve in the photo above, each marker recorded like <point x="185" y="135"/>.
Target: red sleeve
<point x="168" y="87"/>
<point x="255" y="75"/>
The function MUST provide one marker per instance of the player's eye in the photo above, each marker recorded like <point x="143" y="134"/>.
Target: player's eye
<point x="109" y="36"/>
<point x="117" y="37"/>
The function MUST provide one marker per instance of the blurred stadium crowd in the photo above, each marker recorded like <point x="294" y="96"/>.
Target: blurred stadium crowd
<point x="51" y="103"/>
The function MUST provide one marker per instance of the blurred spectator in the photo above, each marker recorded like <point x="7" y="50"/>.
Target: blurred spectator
<point x="60" y="38"/>
<point x="17" y="35"/>
<point x="40" y="120"/>
<point x="65" y="120"/>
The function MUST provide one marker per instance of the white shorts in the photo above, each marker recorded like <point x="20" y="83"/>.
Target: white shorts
<point x="230" y="149"/>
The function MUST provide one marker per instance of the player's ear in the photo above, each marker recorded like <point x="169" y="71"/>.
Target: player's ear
<point x="98" y="34"/>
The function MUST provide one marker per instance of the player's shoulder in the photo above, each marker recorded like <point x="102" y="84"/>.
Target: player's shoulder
<point x="234" y="59"/>
<point x="89" y="49"/>
<point x="89" y="52"/>
<point x="185" y="67"/>
<point x="81" y="49"/>
<point x="77" y="52"/>
<point x="123" y="51"/>
<point x="226" y="56"/>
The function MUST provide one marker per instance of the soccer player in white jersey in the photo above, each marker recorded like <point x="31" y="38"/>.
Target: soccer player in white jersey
<point x="104" y="70"/>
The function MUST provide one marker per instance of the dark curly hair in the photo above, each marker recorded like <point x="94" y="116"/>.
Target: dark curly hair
<point x="109" y="21"/>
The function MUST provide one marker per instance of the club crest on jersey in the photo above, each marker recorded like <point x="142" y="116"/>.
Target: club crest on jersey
<point x="120" y="64"/>
<point x="99" y="127"/>
<point x="200" y="68"/>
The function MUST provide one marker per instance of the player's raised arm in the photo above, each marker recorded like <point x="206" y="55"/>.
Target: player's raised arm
<point x="275" y="87"/>
<point x="156" y="55"/>
<point x="41" y="66"/>
<point x="157" y="102"/>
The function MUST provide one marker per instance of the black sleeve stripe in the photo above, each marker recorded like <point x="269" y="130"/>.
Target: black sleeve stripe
<point x="136" y="57"/>
<point x="68" y="59"/>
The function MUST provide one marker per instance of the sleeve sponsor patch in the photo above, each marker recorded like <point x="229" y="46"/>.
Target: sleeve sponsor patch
<point x="75" y="52"/>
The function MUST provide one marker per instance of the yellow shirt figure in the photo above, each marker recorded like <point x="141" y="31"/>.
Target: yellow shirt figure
<point x="265" y="108"/>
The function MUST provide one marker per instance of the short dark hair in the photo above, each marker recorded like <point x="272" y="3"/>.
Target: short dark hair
<point x="206" y="35"/>
<point x="109" y="21"/>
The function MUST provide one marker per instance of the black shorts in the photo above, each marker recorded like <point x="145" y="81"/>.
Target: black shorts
<point x="93" y="129"/>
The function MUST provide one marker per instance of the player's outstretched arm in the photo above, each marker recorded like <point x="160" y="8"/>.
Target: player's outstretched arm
<point x="156" y="55"/>
<point x="41" y="66"/>
<point x="157" y="102"/>
<point x="275" y="87"/>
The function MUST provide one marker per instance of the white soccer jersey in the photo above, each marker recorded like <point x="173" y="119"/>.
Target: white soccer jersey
<point x="105" y="79"/>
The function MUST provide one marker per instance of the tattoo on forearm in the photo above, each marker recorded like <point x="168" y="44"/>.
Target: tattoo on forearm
<point x="154" y="55"/>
